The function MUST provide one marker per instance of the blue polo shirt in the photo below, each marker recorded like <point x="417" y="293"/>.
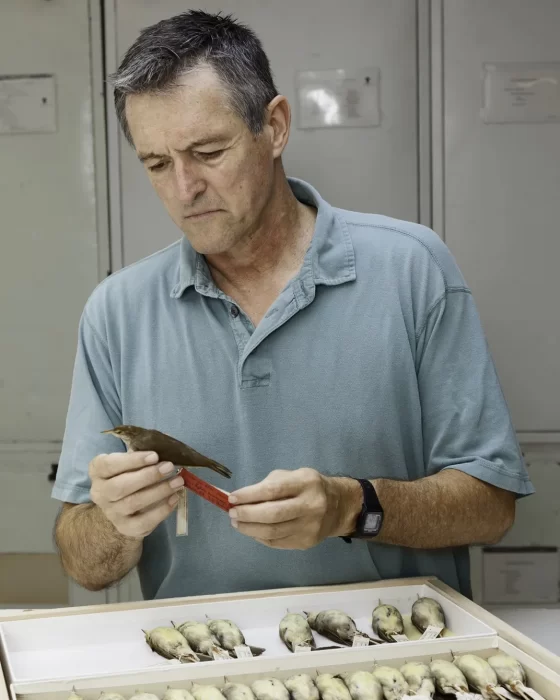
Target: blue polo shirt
<point x="371" y="362"/>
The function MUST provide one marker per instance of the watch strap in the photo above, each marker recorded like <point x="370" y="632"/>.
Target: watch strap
<point x="371" y="503"/>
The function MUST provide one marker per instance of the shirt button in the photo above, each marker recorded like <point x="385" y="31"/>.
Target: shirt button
<point x="234" y="311"/>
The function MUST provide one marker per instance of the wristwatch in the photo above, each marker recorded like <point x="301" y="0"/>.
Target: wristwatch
<point x="370" y="519"/>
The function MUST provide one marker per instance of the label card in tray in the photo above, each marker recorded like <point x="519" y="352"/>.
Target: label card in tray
<point x="400" y="638"/>
<point x="360" y="641"/>
<point x="243" y="652"/>
<point x="299" y="649"/>
<point x="431" y="632"/>
<point x="220" y="655"/>
<point x="506" y="694"/>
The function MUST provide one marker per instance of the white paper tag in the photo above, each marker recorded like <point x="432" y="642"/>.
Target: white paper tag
<point x="469" y="696"/>
<point x="504" y="692"/>
<point x="220" y="655"/>
<point x="499" y="691"/>
<point x="431" y="632"/>
<point x="533" y="694"/>
<point x="360" y="641"/>
<point x="414" y="697"/>
<point x="243" y="652"/>
<point x="182" y="510"/>
<point x="400" y="638"/>
<point x="298" y="649"/>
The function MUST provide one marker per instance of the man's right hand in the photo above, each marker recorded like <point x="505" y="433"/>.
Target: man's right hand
<point x="133" y="490"/>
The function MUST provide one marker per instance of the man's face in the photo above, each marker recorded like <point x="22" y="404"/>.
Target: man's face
<point x="212" y="174"/>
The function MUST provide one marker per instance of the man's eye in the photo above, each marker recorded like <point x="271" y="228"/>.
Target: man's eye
<point x="155" y="168"/>
<point x="210" y="155"/>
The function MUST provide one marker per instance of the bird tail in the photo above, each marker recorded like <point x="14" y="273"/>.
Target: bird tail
<point x="220" y="469"/>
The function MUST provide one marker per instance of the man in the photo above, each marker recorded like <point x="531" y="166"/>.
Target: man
<point x="302" y="346"/>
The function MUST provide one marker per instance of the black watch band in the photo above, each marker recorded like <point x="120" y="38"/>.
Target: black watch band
<point x="370" y="519"/>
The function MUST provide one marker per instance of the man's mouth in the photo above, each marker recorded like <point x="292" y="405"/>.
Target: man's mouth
<point x="201" y="215"/>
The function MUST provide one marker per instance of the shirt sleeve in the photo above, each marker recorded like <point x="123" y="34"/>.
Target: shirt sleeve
<point x="94" y="406"/>
<point x="466" y="421"/>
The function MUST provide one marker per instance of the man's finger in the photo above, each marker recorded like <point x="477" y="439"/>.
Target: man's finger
<point x="128" y="483"/>
<point x="108" y="466"/>
<point x="270" y="512"/>
<point x="148" y="497"/>
<point x="277" y="485"/>
<point x="144" y="523"/>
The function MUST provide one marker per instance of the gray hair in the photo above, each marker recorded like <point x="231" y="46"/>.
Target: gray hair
<point x="168" y="49"/>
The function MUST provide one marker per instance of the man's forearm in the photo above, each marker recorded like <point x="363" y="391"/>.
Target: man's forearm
<point x="449" y="509"/>
<point x="92" y="550"/>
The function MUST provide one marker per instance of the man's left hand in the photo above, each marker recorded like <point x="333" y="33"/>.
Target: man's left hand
<point x="296" y="509"/>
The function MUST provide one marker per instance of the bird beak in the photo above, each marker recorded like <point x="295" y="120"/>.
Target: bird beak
<point x="110" y="432"/>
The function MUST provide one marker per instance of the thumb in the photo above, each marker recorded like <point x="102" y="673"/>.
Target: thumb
<point x="279" y="484"/>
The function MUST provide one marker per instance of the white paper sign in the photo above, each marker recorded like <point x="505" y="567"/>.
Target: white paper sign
<point x="520" y="574"/>
<point x="431" y="632"/>
<point x="243" y="652"/>
<point x="360" y="641"/>
<point x="469" y="696"/>
<point x="299" y="649"/>
<point x="521" y="92"/>
<point x="533" y="694"/>
<point x="27" y="104"/>
<point x="338" y="98"/>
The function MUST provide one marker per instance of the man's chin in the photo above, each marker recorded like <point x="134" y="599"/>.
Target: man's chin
<point x="204" y="246"/>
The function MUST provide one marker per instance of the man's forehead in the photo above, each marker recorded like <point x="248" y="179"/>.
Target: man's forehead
<point x="196" y="110"/>
<point x="199" y="90"/>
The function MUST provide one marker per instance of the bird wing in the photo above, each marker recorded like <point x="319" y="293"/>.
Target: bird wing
<point x="172" y="450"/>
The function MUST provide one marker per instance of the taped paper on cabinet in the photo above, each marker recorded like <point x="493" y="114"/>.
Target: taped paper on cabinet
<point x="338" y="98"/>
<point x="27" y="104"/>
<point x="521" y="93"/>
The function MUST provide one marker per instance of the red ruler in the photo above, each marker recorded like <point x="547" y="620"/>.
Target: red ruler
<point x="205" y="490"/>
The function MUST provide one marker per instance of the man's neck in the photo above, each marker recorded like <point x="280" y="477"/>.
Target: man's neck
<point x="274" y="251"/>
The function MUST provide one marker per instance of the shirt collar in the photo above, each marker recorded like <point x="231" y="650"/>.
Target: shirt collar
<point x="329" y="260"/>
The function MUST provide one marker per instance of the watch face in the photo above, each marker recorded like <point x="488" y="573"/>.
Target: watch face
<point x="372" y="523"/>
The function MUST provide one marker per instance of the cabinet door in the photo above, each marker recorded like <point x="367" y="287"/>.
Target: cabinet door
<point x="49" y="264"/>
<point x="368" y="169"/>
<point x="49" y="259"/>
<point x="501" y="204"/>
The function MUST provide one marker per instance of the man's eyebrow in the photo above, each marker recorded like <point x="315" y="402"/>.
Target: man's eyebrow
<point x="194" y="144"/>
<point x="147" y="156"/>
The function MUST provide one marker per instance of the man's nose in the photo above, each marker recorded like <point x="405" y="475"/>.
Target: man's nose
<point x="188" y="182"/>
